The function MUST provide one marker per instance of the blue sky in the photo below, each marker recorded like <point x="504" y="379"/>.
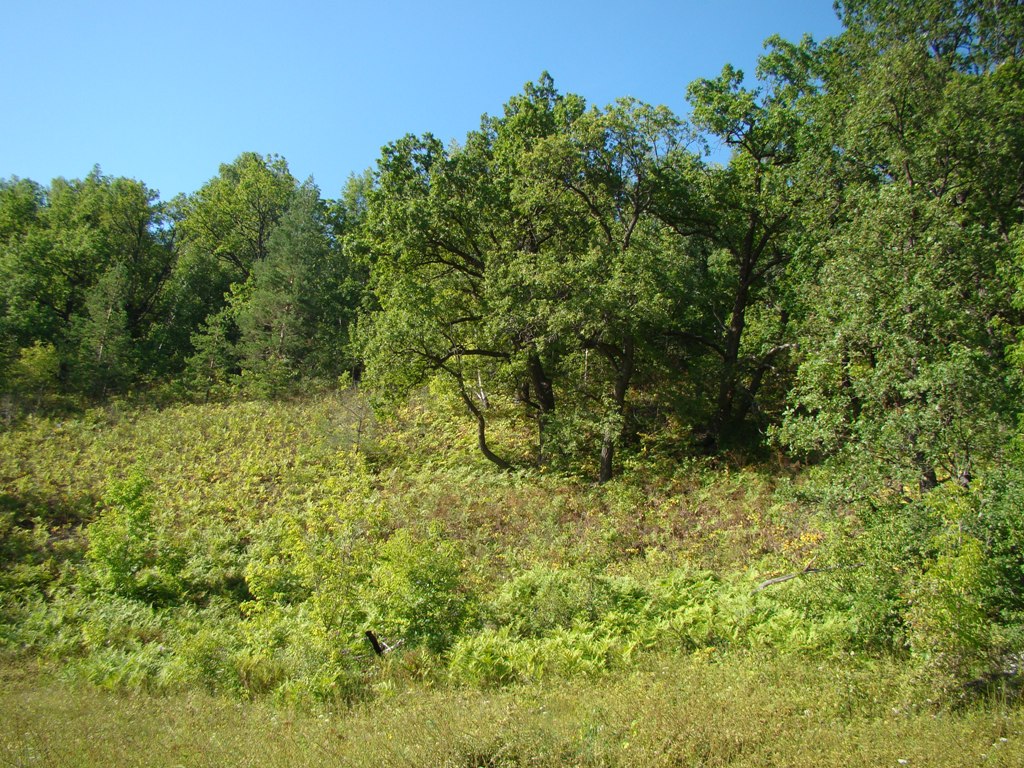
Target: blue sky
<point x="165" y="92"/>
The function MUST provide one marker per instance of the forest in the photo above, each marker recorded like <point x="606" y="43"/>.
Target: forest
<point x="594" y="399"/>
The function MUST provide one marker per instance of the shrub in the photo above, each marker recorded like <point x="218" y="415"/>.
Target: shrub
<point x="495" y="657"/>
<point x="416" y="591"/>
<point x="113" y="621"/>
<point x="128" y="555"/>
<point x="544" y="598"/>
<point x="998" y="525"/>
<point x="484" y="659"/>
<point x="950" y="614"/>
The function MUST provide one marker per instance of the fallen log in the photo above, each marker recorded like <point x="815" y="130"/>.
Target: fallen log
<point x="380" y="647"/>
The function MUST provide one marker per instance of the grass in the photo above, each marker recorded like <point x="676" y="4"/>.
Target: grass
<point x="563" y="623"/>
<point x="700" y="710"/>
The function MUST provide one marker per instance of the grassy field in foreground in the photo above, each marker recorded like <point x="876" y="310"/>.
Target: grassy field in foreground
<point x="702" y="710"/>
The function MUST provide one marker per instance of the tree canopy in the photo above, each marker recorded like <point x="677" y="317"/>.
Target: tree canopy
<point x="845" y="286"/>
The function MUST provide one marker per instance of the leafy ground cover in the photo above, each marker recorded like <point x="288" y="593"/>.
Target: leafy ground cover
<point x="195" y="582"/>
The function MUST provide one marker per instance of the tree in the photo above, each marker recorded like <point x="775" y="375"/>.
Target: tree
<point x="292" y="295"/>
<point x="428" y="221"/>
<point x="223" y="232"/>
<point x="902" y="344"/>
<point x="20" y="203"/>
<point x="619" y="278"/>
<point x="971" y="36"/>
<point x="744" y="215"/>
<point x="463" y="256"/>
<point x="232" y="217"/>
<point x="85" y="263"/>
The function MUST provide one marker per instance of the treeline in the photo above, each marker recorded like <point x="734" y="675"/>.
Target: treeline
<point x="846" y="285"/>
<point x="105" y="287"/>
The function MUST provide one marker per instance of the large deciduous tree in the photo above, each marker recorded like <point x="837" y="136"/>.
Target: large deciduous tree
<point x="232" y="217"/>
<point x="902" y="365"/>
<point x="744" y="215"/>
<point x="463" y="256"/>
<point x="528" y="260"/>
<point x="620" y="282"/>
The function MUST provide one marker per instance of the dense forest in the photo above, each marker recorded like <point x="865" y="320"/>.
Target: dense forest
<point x="467" y="404"/>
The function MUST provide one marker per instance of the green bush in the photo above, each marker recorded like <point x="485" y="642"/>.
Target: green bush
<point x="417" y="593"/>
<point x="484" y="659"/>
<point x="494" y="657"/>
<point x="203" y="655"/>
<point x="543" y="599"/>
<point x="951" y="614"/>
<point x="114" y="621"/>
<point x="128" y="554"/>
<point x="998" y="524"/>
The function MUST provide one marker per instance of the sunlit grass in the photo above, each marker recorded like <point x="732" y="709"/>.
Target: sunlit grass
<point x="705" y="710"/>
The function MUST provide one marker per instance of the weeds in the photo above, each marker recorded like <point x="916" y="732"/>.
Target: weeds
<point x="244" y="549"/>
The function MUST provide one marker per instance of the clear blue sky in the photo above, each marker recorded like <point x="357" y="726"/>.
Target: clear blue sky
<point x="165" y="92"/>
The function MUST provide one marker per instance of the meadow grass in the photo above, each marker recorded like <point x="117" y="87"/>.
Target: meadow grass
<point x="705" y="709"/>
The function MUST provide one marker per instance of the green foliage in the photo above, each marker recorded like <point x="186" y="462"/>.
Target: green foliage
<point x="542" y="599"/>
<point x="83" y="267"/>
<point x="902" y="368"/>
<point x="958" y="620"/>
<point x="300" y="303"/>
<point x="257" y="548"/>
<point x="971" y="36"/>
<point x="232" y="218"/>
<point x="265" y="280"/>
<point x="913" y="390"/>
<point x="491" y="658"/>
<point x="935" y="576"/>
<point x="416" y="591"/>
<point x="129" y="555"/>
<point x="214" y="363"/>
<point x="994" y="519"/>
<point x="106" y="356"/>
<point x="604" y="302"/>
<point x="36" y="369"/>
<point x="948" y="621"/>
<point x="31" y="567"/>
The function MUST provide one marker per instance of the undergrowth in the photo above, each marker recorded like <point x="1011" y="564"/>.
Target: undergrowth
<point x="246" y="549"/>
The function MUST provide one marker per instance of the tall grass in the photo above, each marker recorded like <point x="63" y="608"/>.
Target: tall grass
<point x="706" y="710"/>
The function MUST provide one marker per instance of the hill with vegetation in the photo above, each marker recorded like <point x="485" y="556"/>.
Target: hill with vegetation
<point x="562" y="445"/>
<point x="220" y="565"/>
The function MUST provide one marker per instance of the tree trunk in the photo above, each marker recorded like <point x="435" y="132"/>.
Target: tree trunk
<point x="725" y="416"/>
<point x="541" y="385"/>
<point x="624" y="363"/>
<point x="748" y="398"/>
<point x="927" y="480"/>
<point x="607" y="457"/>
<point x="481" y="431"/>
<point x="730" y="361"/>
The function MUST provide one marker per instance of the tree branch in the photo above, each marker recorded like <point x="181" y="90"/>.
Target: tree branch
<point x="805" y="572"/>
